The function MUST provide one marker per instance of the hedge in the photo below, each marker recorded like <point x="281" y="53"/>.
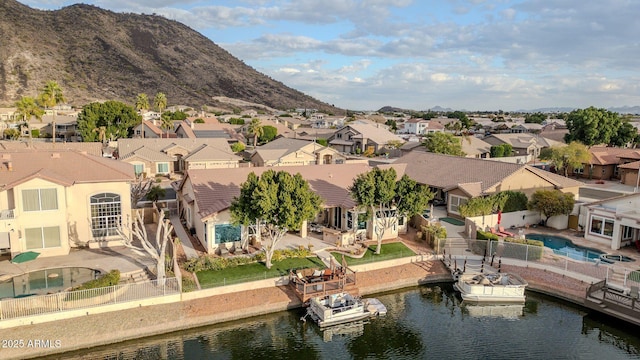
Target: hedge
<point x="485" y="235"/>
<point x="109" y="279"/>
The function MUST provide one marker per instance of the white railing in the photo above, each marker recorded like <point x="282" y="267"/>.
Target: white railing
<point x="80" y="299"/>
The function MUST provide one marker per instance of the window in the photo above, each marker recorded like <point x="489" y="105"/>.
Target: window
<point x="138" y="168"/>
<point x="601" y="226"/>
<point x="163" y="168"/>
<point x="455" y="203"/>
<point x="627" y="233"/>
<point x="42" y="237"/>
<point x="579" y="171"/>
<point x="227" y="233"/>
<point x="39" y="199"/>
<point x="106" y="214"/>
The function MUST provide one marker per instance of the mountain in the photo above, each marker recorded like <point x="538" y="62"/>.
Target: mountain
<point x="96" y="55"/>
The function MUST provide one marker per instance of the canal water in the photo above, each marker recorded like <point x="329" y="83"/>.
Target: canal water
<point x="429" y="322"/>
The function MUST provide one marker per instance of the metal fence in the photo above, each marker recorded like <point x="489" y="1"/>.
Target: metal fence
<point x="81" y="299"/>
<point x="494" y="251"/>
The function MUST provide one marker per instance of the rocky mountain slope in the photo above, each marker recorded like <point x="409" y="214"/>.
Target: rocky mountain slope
<point x="95" y="54"/>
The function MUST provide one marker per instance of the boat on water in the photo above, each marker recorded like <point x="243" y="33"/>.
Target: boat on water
<point x="342" y="308"/>
<point x="491" y="287"/>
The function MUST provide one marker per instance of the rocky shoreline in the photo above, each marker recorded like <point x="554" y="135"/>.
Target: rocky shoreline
<point x="109" y="328"/>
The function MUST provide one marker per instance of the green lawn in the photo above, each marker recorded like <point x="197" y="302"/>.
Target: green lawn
<point x="254" y="271"/>
<point x="389" y="251"/>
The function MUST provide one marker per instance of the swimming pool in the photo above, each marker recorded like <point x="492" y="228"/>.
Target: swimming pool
<point x="564" y="246"/>
<point x="46" y="281"/>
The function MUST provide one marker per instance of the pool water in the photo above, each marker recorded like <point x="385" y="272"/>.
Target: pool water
<point x="564" y="246"/>
<point x="46" y="281"/>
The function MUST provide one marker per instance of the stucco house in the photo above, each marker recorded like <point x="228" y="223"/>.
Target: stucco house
<point x="204" y="198"/>
<point x="150" y="129"/>
<point x="522" y="144"/>
<point x="419" y="126"/>
<point x="609" y="163"/>
<point x="358" y="137"/>
<point x="613" y="222"/>
<point x="293" y="152"/>
<point x="455" y="179"/>
<point x="53" y="200"/>
<point x="163" y="156"/>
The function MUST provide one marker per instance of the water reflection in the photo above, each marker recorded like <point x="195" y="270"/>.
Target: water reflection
<point x="421" y="323"/>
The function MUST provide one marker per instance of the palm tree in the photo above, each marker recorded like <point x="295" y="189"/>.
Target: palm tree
<point x="155" y="193"/>
<point x="142" y="102"/>
<point x="167" y="124"/>
<point x="102" y="133"/>
<point x="50" y="97"/>
<point x="255" y="128"/>
<point x="27" y="108"/>
<point x="160" y="101"/>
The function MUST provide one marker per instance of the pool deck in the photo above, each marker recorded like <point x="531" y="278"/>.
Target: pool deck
<point x="629" y="251"/>
<point x="105" y="260"/>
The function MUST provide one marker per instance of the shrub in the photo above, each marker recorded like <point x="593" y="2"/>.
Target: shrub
<point x="109" y="279"/>
<point x="484" y="235"/>
<point x="516" y="201"/>
<point x="237" y="147"/>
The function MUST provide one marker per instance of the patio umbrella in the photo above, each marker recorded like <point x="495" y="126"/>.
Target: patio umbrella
<point x="25" y="256"/>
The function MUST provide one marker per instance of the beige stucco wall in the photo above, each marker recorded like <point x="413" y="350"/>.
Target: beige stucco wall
<point x="523" y="181"/>
<point x="33" y="219"/>
<point x="150" y="167"/>
<point x="216" y="164"/>
<point x="73" y="216"/>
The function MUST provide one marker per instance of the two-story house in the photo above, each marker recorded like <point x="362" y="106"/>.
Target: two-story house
<point x="293" y="152"/>
<point x="358" y="137"/>
<point x="53" y="200"/>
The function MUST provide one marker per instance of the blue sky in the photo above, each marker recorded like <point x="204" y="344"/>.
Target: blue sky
<point x="462" y="54"/>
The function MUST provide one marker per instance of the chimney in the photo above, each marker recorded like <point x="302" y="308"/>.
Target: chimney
<point x="191" y="124"/>
<point x="9" y="166"/>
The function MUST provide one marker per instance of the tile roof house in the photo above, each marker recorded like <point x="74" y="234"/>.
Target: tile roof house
<point x="151" y="130"/>
<point x="523" y="144"/>
<point x="292" y="152"/>
<point x="204" y="198"/>
<point x="611" y="163"/>
<point x="192" y="130"/>
<point x="90" y="148"/>
<point x="53" y="200"/>
<point x="475" y="147"/>
<point x="358" y="137"/>
<point x="614" y="222"/>
<point x="163" y="156"/>
<point x="457" y="179"/>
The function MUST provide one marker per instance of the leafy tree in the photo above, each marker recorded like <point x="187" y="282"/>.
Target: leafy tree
<point x="382" y="195"/>
<point x="535" y="118"/>
<point x="198" y="121"/>
<point x="281" y="200"/>
<point x="626" y="134"/>
<point x="237" y="147"/>
<point x="117" y="118"/>
<point x="502" y="150"/>
<point x="392" y="125"/>
<point x="268" y="133"/>
<point x="155" y="193"/>
<point x="255" y="128"/>
<point x="515" y="201"/>
<point x="323" y="142"/>
<point x="443" y="143"/>
<point x="175" y="115"/>
<point x="27" y="108"/>
<point x="464" y="120"/>
<point x="142" y="102"/>
<point x="160" y="101"/>
<point x="50" y="97"/>
<point x="483" y="205"/>
<point x="12" y="134"/>
<point x="573" y="156"/>
<point x="551" y="203"/>
<point x="592" y="126"/>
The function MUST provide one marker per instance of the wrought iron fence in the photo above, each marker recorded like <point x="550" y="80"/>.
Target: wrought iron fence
<point x="590" y="266"/>
<point x="80" y="299"/>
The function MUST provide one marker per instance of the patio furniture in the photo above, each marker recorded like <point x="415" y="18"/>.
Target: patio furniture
<point x="503" y="231"/>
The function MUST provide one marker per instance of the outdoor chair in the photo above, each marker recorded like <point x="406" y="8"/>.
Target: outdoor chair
<point x="634" y="292"/>
<point x="503" y="231"/>
<point x="493" y="231"/>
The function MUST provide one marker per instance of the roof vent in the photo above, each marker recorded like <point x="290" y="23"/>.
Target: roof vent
<point x="6" y="156"/>
<point x="9" y="166"/>
<point x="55" y="155"/>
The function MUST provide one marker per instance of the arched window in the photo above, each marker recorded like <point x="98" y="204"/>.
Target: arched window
<point x="106" y="214"/>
